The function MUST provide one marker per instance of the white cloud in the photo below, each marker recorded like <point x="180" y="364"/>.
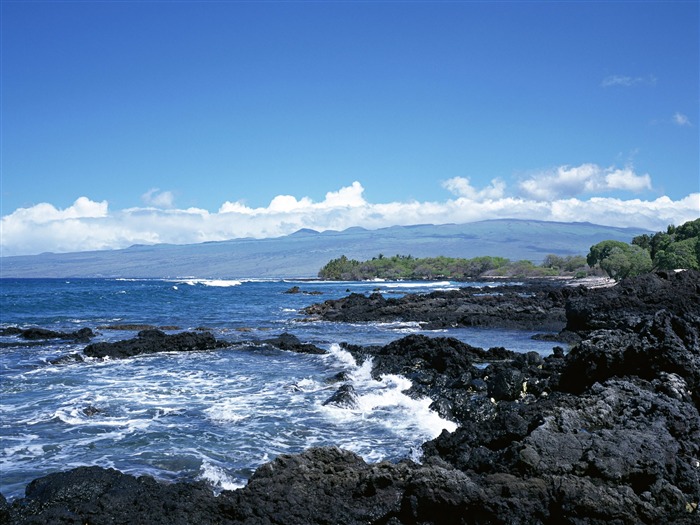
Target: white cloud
<point x="346" y="197"/>
<point x="681" y="119"/>
<point x="89" y="225"/>
<point x="462" y="187"/>
<point x="45" y="213"/>
<point x="570" y="181"/>
<point x="627" y="81"/>
<point x="159" y="199"/>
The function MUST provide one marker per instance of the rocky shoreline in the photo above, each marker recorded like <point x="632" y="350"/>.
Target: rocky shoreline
<point x="535" y="305"/>
<point x="606" y="434"/>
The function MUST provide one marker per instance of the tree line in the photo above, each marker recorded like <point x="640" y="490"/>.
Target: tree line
<point x="677" y="247"/>
<point x="406" y="267"/>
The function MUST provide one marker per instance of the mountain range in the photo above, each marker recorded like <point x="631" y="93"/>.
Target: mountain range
<point x="303" y="253"/>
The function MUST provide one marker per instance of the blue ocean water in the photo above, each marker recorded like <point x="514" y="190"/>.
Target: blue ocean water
<point x="216" y="415"/>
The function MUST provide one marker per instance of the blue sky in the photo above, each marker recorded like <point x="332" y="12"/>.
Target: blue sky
<point x="140" y="122"/>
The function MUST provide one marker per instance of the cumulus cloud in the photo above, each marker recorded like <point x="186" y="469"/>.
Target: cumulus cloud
<point x="346" y="197"/>
<point x="570" y="181"/>
<point x="461" y="186"/>
<point x="45" y="213"/>
<point x="90" y="225"/>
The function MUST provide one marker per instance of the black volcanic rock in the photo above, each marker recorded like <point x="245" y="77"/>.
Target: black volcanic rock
<point x="653" y="328"/>
<point x="40" y="334"/>
<point x="291" y="343"/>
<point x="154" y="341"/>
<point x="98" y="495"/>
<point x="344" y="397"/>
<point x="442" y="368"/>
<point x="626" y="304"/>
<point x="536" y="306"/>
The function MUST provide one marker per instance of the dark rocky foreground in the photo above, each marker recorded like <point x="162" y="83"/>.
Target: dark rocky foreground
<point x="608" y="434"/>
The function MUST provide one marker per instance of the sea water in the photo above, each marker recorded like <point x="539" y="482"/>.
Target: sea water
<point x="212" y="415"/>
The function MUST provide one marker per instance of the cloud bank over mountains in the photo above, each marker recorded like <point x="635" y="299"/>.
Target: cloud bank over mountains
<point x="566" y="194"/>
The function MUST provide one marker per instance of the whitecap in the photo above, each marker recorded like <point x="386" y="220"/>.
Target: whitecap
<point x="228" y="411"/>
<point x="218" y="477"/>
<point x="342" y="356"/>
<point x="412" y="284"/>
<point x="220" y="283"/>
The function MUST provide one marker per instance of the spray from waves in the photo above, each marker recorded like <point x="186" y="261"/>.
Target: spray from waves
<point x="218" y="478"/>
<point x="385" y="402"/>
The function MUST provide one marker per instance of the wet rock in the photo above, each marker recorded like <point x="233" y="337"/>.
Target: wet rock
<point x="91" y="411"/>
<point x="344" y="397"/>
<point x="297" y="290"/>
<point x="442" y="368"/>
<point x="40" y="334"/>
<point x="291" y="343"/>
<point x="337" y="378"/>
<point x="154" y="341"/>
<point x="67" y="359"/>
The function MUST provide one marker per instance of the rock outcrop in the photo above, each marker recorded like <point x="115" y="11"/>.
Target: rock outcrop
<point x="36" y="334"/>
<point x="535" y="306"/>
<point x="154" y="341"/>
<point x="291" y="343"/>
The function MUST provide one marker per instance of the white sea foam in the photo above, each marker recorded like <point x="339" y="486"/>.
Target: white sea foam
<point x="227" y="411"/>
<point x="220" y="283"/>
<point x="342" y="356"/>
<point x="218" y="477"/>
<point x="24" y="448"/>
<point x="412" y="284"/>
<point x="385" y="402"/>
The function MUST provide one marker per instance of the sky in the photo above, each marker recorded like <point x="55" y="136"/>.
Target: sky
<point x="144" y="122"/>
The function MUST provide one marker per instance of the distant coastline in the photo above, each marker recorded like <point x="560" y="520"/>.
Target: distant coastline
<point x="301" y="255"/>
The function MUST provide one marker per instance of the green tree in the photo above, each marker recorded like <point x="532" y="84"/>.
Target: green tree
<point x="619" y="260"/>
<point x="339" y="269"/>
<point x="688" y="230"/>
<point x="659" y="242"/>
<point x="602" y="250"/>
<point x="680" y="254"/>
<point x="643" y="241"/>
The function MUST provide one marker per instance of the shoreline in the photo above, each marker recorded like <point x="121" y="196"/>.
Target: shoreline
<point x="610" y="431"/>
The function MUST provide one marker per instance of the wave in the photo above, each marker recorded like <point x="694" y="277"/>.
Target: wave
<point x="218" y="478"/>
<point x="384" y="401"/>
<point x="220" y="283"/>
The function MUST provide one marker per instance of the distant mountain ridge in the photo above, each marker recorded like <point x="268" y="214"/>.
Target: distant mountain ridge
<point x="303" y="253"/>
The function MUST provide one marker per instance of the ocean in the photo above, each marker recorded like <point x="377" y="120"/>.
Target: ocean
<point x="212" y="415"/>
